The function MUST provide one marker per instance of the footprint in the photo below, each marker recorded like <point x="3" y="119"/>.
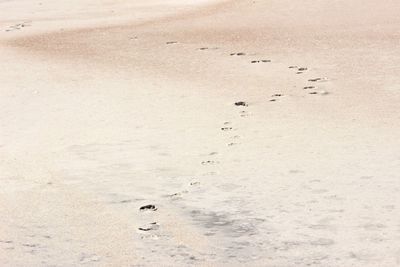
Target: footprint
<point x="299" y="70"/>
<point x="148" y="207"/>
<point x="171" y="42"/>
<point x="241" y="103"/>
<point x="149" y="227"/>
<point x="238" y="54"/>
<point x="208" y="48"/>
<point x="318" y="79"/>
<point x="308" y="87"/>
<point x="261" y="61"/>
<point x="226" y="129"/>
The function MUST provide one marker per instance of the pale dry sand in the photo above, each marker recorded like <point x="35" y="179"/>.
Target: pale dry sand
<point x="107" y="106"/>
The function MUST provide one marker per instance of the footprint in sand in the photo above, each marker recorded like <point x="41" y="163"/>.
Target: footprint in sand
<point x="149" y="227"/>
<point x="275" y="97"/>
<point x="238" y="54"/>
<point x="260" y="61"/>
<point x="226" y="129"/>
<point x="241" y="103"/>
<point x="207" y="48"/>
<point x="319" y="93"/>
<point x="299" y="70"/>
<point x="171" y="42"/>
<point x="308" y="87"/>
<point x="318" y="79"/>
<point x="148" y="208"/>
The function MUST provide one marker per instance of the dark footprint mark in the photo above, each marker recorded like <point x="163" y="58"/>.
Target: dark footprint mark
<point x="319" y="93"/>
<point x="275" y="95"/>
<point x="317" y="79"/>
<point x="148" y="207"/>
<point x="226" y="128"/>
<point x="172" y="42"/>
<point x="241" y="103"/>
<point x="308" y="87"/>
<point x="208" y="48"/>
<point x="232" y="144"/>
<point x="260" y="61"/>
<point x="150" y="227"/>
<point x="238" y="54"/>
<point x="300" y="70"/>
<point x="209" y="162"/>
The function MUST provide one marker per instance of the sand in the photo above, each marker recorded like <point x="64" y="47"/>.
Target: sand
<point x="109" y="106"/>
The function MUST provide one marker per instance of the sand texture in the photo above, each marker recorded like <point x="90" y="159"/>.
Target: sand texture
<point x="200" y="133"/>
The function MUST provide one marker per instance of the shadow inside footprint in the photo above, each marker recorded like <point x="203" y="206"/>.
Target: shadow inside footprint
<point x="150" y="227"/>
<point x="238" y="54"/>
<point x="148" y="207"/>
<point x="241" y="103"/>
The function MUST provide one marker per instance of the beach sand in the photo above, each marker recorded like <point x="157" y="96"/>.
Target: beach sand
<point x="265" y="133"/>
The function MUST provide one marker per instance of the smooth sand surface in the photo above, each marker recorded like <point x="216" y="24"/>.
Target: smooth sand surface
<point x="108" y="106"/>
